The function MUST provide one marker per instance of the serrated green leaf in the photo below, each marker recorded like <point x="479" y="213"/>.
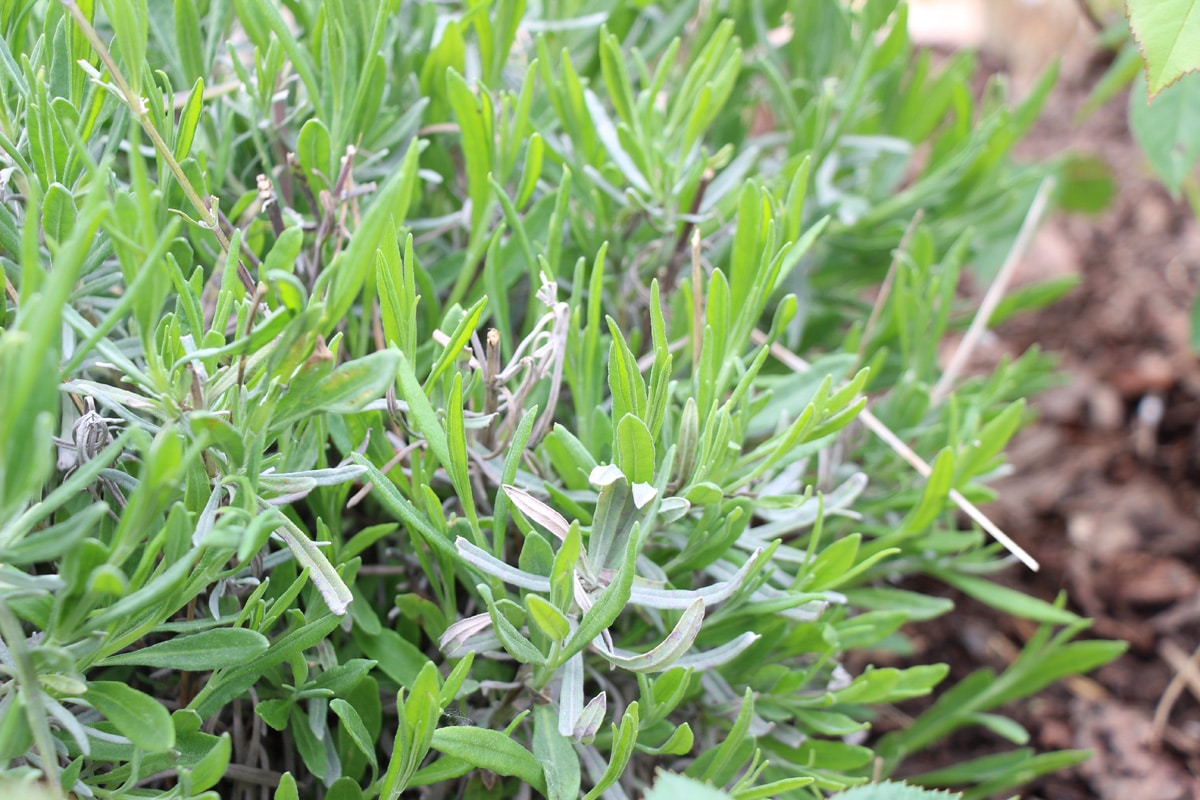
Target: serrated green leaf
<point x="1163" y="128"/>
<point x="1169" y="34"/>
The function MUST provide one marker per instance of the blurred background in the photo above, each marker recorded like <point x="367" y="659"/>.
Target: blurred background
<point x="1106" y="486"/>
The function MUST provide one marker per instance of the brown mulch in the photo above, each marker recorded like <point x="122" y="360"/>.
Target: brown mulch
<point x="1106" y="486"/>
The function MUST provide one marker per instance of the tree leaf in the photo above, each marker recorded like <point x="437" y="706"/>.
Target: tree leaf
<point x="669" y="786"/>
<point x="1165" y="128"/>
<point x="1168" y="32"/>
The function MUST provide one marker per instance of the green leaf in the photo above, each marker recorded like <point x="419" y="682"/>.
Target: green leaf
<point x="933" y="499"/>
<point x="1168" y="32"/>
<point x="458" y="340"/>
<point x="352" y="385"/>
<point x="547" y="618"/>
<point x="354" y="726"/>
<point x="671" y="786"/>
<point x="229" y="683"/>
<point x="399" y="658"/>
<point x="349" y="270"/>
<point x="422" y="412"/>
<point x="189" y="118"/>
<point x="889" y="790"/>
<point x="138" y="717"/>
<point x="474" y="114"/>
<point x="513" y="640"/>
<point x="198" y="652"/>
<point x="635" y="450"/>
<point x="211" y="768"/>
<point x="1164" y="128"/>
<point x="490" y="750"/>
<point x="559" y="761"/>
<point x="287" y="789"/>
<point x="1010" y="601"/>
<point x="344" y="788"/>
<point x="609" y="605"/>
<point x="1087" y="184"/>
<point x="58" y="213"/>
<point x="624" y="739"/>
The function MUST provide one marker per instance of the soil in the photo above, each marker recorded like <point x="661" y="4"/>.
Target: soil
<point x="1106" y="485"/>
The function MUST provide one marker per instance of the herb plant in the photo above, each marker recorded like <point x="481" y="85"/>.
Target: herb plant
<point x="403" y="395"/>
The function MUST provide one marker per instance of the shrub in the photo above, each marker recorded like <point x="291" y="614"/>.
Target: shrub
<point x="398" y="395"/>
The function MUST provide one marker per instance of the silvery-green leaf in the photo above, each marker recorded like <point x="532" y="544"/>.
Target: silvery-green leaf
<point x="672" y="509"/>
<point x="682" y="598"/>
<point x="604" y="475"/>
<point x="538" y="512"/>
<point x="333" y="589"/>
<point x="473" y="633"/>
<point x="649" y="573"/>
<point x="208" y="516"/>
<point x="590" y="719"/>
<point x="491" y="565"/>
<point x="643" y="493"/>
<point x="718" y="655"/>
<point x="299" y="481"/>
<point x="68" y="722"/>
<point x="608" y="137"/>
<point x="570" y="694"/>
<point x="790" y="520"/>
<point x="668" y="652"/>
<point x="472" y="420"/>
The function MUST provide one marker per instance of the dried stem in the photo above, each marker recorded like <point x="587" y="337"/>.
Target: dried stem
<point x="138" y="108"/>
<point x="994" y="293"/>
<point x="30" y="689"/>
<point x="1186" y="674"/>
<point x="873" y="424"/>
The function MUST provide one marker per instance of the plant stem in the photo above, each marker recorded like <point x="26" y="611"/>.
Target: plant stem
<point x="994" y="294"/>
<point x="31" y="691"/>
<point x="138" y="107"/>
<point x="873" y="424"/>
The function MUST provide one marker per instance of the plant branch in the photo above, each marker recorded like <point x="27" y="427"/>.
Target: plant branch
<point x="873" y="424"/>
<point x="994" y="294"/>
<point x="31" y="690"/>
<point x="138" y="107"/>
<point x="885" y="289"/>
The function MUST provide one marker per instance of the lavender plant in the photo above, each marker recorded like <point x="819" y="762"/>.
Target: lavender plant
<point x="412" y="405"/>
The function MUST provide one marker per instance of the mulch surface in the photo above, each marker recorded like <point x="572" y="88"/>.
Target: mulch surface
<point x="1106" y="485"/>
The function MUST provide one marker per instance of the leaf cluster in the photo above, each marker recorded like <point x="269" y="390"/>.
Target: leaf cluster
<point x="392" y="397"/>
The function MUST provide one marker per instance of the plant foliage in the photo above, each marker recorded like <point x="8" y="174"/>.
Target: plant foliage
<point x="400" y="394"/>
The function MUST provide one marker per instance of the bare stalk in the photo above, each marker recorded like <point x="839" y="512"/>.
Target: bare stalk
<point x="995" y="293"/>
<point x="138" y="107"/>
